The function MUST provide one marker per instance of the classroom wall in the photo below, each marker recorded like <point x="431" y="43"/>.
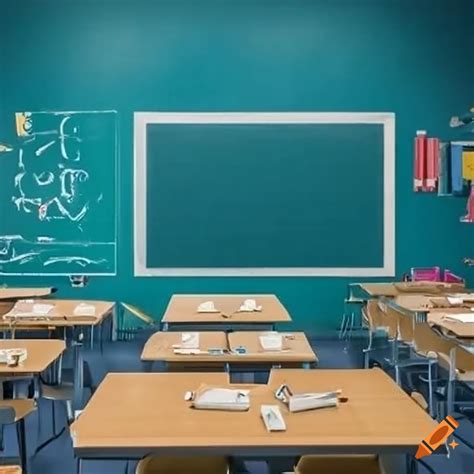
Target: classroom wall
<point x="250" y="55"/>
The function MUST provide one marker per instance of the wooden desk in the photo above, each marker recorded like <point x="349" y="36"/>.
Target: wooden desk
<point x="62" y="315"/>
<point x="391" y="290"/>
<point x="159" y="347"/>
<point x="41" y="354"/>
<point x="131" y="415"/>
<point x="13" y="294"/>
<point x="182" y="310"/>
<point x="450" y="327"/>
<point x="298" y="350"/>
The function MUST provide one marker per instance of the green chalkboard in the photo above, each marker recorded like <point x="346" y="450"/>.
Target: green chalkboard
<point x="58" y="195"/>
<point x="252" y="196"/>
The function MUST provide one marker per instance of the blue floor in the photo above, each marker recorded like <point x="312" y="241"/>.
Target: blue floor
<point x="57" y="458"/>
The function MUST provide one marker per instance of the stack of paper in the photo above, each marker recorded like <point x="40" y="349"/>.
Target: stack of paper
<point x="271" y="342"/>
<point x="222" y="399"/>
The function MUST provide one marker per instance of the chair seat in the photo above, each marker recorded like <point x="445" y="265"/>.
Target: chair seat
<point x="22" y="407"/>
<point x="10" y="470"/>
<point x="63" y="392"/>
<point x="182" y="465"/>
<point x="353" y="464"/>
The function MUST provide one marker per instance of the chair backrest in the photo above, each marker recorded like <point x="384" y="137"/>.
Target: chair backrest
<point x="427" y="340"/>
<point x="405" y="328"/>
<point x="390" y="318"/>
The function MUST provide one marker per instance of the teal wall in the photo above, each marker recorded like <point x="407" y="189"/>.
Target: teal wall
<point x="250" y="55"/>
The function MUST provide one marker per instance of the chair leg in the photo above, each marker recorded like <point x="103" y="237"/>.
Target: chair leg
<point x="79" y="466"/>
<point x="20" y="430"/>
<point x="70" y="413"/>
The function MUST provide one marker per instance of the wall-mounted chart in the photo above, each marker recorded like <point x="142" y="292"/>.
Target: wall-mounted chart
<point x="58" y="207"/>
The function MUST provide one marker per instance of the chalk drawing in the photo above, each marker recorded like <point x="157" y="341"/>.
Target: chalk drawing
<point x="65" y="214"/>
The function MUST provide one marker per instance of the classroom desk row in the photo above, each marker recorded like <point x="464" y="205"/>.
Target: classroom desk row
<point x="235" y="350"/>
<point x="133" y="415"/>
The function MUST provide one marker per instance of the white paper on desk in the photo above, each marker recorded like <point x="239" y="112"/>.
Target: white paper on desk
<point x="223" y="399"/>
<point x="186" y="351"/>
<point x="462" y="318"/>
<point x="6" y="355"/>
<point x="272" y="418"/>
<point x="249" y="306"/>
<point x="271" y="342"/>
<point x="84" y="309"/>
<point x="190" y="340"/>
<point x="312" y="401"/>
<point x="24" y="309"/>
<point x="207" y="307"/>
<point x="455" y="301"/>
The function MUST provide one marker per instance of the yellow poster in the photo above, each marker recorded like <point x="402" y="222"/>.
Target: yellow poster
<point x="468" y="165"/>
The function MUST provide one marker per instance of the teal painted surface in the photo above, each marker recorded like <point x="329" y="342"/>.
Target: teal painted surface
<point x="211" y="55"/>
<point x="264" y="196"/>
<point x="58" y="195"/>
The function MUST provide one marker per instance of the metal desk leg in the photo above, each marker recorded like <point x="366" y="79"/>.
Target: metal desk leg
<point x="306" y="365"/>
<point x="79" y="466"/>
<point x="165" y="327"/>
<point x="20" y="426"/>
<point x="91" y="337"/>
<point x="78" y="376"/>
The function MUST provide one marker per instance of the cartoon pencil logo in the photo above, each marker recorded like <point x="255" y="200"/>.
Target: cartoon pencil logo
<point x="437" y="437"/>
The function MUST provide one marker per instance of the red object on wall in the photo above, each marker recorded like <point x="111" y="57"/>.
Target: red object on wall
<point x="432" y="157"/>
<point x="420" y="161"/>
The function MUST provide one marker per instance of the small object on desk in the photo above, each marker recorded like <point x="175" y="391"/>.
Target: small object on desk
<point x="460" y="318"/>
<point x="271" y="342"/>
<point x="188" y="396"/>
<point x="455" y="301"/>
<point x="222" y="399"/>
<point x="190" y="340"/>
<point x="308" y="401"/>
<point x="84" y="309"/>
<point x="184" y="351"/>
<point x="13" y="357"/>
<point x="207" y="307"/>
<point x="249" y="306"/>
<point x="240" y="350"/>
<point x="215" y="351"/>
<point x="272" y="418"/>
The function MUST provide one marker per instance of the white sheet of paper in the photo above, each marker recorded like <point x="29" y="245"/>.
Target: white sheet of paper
<point x="462" y="318"/>
<point x="84" y="309"/>
<point x="190" y="340"/>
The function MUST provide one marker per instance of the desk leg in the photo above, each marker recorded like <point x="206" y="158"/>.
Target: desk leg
<point x="147" y="366"/>
<point x="306" y="365"/>
<point x="79" y="466"/>
<point x="20" y="426"/>
<point x="165" y="327"/>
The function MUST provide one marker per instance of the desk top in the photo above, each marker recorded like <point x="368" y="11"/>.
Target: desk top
<point x="20" y="293"/>
<point x="133" y="414"/>
<point x="403" y="288"/>
<point x="457" y="329"/>
<point x="295" y="344"/>
<point x="40" y="354"/>
<point x="159" y="347"/>
<point x="183" y="309"/>
<point x="62" y="313"/>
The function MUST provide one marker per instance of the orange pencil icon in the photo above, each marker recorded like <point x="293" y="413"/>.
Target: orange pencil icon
<point x="437" y="437"/>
